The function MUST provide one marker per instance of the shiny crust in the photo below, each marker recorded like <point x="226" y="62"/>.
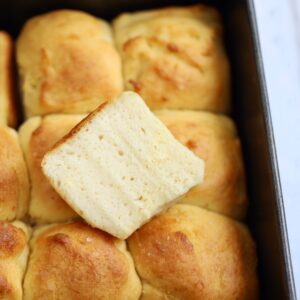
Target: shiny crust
<point x="8" y="111"/>
<point x="67" y="63"/>
<point x="13" y="259"/>
<point x="37" y="136"/>
<point x="191" y="253"/>
<point x="14" y="185"/>
<point x="75" y="261"/>
<point x="214" y="139"/>
<point x="180" y="52"/>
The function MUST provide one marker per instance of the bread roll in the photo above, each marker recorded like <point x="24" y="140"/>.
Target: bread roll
<point x="8" y="111"/>
<point x="191" y="253"/>
<point x="67" y="63"/>
<point x="37" y="136"/>
<point x="75" y="261"/>
<point x="213" y="138"/>
<point x="14" y="185"/>
<point x="13" y="259"/>
<point x="174" y="57"/>
<point x="120" y="166"/>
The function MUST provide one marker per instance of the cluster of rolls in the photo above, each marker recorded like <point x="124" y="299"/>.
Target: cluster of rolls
<point x="70" y="62"/>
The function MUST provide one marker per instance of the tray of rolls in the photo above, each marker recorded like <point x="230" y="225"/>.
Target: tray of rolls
<point x="198" y="69"/>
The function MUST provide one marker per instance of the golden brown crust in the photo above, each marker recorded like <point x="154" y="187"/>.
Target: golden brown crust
<point x="45" y="204"/>
<point x="12" y="240"/>
<point x="207" y="13"/>
<point x="67" y="63"/>
<point x="75" y="261"/>
<point x="14" y="185"/>
<point x="191" y="253"/>
<point x="8" y="109"/>
<point x="180" y="52"/>
<point x="13" y="259"/>
<point x="5" y="289"/>
<point x="214" y="139"/>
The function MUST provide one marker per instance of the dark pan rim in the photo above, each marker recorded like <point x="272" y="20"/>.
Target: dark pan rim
<point x="280" y="211"/>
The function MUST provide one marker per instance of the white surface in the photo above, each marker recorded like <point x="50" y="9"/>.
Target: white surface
<point x="279" y="29"/>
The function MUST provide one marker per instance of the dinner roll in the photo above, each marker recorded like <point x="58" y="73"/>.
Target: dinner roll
<point x="67" y="63"/>
<point x="13" y="259"/>
<point x="14" y="185"/>
<point x="214" y="138"/>
<point x="121" y="166"/>
<point x="37" y="135"/>
<point x="8" y="111"/>
<point x="191" y="253"/>
<point x="174" y="57"/>
<point x="76" y="262"/>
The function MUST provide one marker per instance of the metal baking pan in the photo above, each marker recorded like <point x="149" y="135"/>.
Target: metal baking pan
<point x="266" y="216"/>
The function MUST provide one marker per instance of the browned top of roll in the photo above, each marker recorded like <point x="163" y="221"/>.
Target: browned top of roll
<point x="8" y="109"/>
<point x="190" y="253"/>
<point x="174" y="57"/>
<point x="75" y="261"/>
<point x="14" y="186"/>
<point x="13" y="258"/>
<point x="67" y="63"/>
<point x="37" y="136"/>
<point x="12" y="240"/>
<point x="213" y="138"/>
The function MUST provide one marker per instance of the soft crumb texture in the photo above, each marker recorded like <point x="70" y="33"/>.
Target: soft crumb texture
<point x="121" y="166"/>
<point x="37" y="136"/>
<point x="13" y="259"/>
<point x="213" y="138"/>
<point x="14" y="185"/>
<point x="67" y="63"/>
<point x="75" y="261"/>
<point x="175" y="58"/>
<point x="8" y="112"/>
<point x="191" y="253"/>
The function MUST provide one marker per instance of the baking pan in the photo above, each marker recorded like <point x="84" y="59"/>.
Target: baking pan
<point x="266" y="216"/>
